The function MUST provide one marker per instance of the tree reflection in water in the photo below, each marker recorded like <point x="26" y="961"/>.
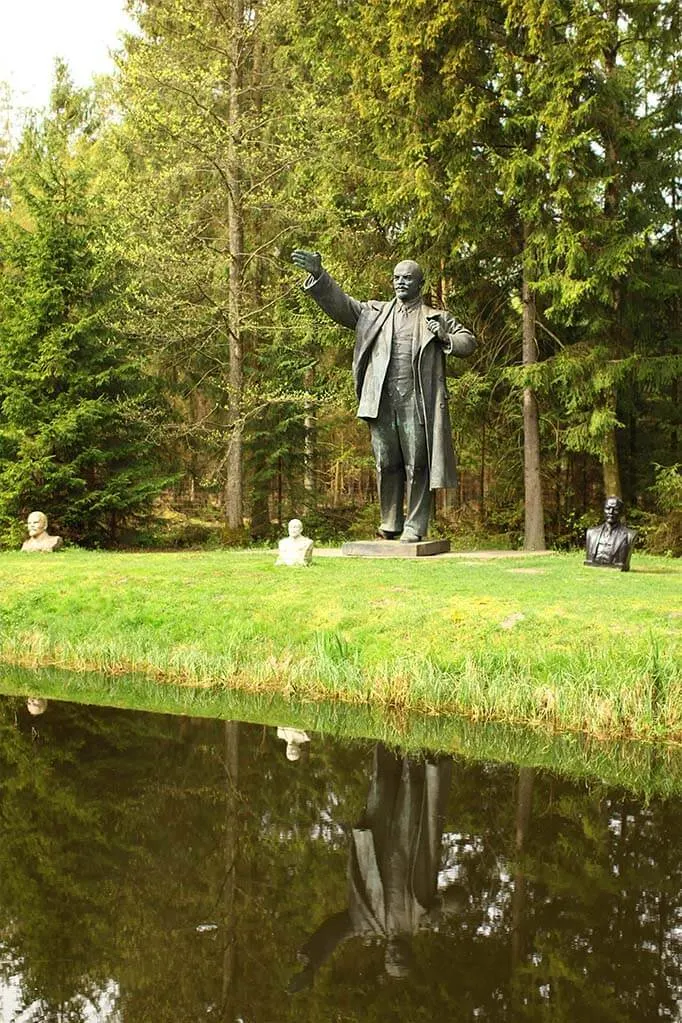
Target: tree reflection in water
<point x="169" y="869"/>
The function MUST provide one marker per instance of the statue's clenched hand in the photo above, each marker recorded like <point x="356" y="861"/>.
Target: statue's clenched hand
<point x="436" y="327"/>
<point x="311" y="262"/>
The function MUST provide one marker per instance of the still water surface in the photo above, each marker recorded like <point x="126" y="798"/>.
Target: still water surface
<point x="169" y="869"/>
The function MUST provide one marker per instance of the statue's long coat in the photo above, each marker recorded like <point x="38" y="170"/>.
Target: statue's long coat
<point x="373" y="325"/>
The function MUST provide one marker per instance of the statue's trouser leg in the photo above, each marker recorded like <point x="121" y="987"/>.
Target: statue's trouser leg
<point x="389" y="466"/>
<point x="419" y="500"/>
<point x="400" y="452"/>
<point x="412" y="437"/>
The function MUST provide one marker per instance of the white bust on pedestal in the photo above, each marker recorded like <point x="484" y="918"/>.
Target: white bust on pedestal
<point x="38" y="536"/>
<point x="295" y="549"/>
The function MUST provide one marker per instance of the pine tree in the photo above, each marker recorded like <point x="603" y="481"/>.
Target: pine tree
<point x="78" y="417"/>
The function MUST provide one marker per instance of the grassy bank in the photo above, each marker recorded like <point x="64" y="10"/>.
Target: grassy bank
<point x="531" y="640"/>
<point x="647" y="769"/>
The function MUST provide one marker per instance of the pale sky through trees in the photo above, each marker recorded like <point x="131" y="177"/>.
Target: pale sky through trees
<point x="34" y="32"/>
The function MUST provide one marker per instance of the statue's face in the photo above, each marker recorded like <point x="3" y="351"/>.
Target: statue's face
<point x="612" y="509"/>
<point x="408" y="280"/>
<point x="36" y="524"/>
<point x="295" y="528"/>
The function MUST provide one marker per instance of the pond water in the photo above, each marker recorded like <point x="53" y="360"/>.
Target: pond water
<point x="164" y="868"/>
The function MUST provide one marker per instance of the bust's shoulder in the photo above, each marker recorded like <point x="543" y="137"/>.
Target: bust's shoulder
<point x="592" y="532"/>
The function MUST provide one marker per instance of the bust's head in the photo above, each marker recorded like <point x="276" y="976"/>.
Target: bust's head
<point x="613" y="509"/>
<point x="295" y="528"/>
<point x="408" y="280"/>
<point x="36" y="523"/>
<point x="36" y="705"/>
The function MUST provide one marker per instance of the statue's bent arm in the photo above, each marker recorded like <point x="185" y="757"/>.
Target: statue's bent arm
<point x="460" y="341"/>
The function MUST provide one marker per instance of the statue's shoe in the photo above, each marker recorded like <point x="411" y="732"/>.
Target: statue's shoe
<point x="386" y="534"/>
<point x="409" y="536"/>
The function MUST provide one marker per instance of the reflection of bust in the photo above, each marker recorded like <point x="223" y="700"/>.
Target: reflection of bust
<point x="38" y="537"/>
<point x="610" y="545"/>
<point x="294" y="739"/>
<point x="295" y="549"/>
<point x="36" y="705"/>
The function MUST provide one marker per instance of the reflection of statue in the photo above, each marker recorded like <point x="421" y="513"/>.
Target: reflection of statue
<point x="399" y="374"/>
<point x="394" y="861"/>
<point x="610" y="545"/>
<point x="36" y="705"/>
<point x="294" y="739"/>
<point x="38" y="537"/>
<point x="295" y="549"/>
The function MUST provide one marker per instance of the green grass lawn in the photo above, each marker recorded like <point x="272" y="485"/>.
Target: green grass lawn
<point x="529" y="640"/>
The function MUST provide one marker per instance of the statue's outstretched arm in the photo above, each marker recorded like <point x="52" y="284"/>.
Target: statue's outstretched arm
<point x="342" y="308"/>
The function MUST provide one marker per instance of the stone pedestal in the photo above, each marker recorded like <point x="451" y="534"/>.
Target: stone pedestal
<point x="394" y="549"/>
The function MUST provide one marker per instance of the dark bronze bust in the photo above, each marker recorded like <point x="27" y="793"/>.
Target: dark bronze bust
<point x="610" y="544"/>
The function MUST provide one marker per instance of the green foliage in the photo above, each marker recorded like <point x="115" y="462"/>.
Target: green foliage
<point x="664" y="531"/>
<point x="501" y="144"/>
<point x="184" y="854"/>
<point x="79" y="418"/>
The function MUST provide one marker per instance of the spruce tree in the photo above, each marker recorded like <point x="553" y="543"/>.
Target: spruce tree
<point x="78" y="417"/>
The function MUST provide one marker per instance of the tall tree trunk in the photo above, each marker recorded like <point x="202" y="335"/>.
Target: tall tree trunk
<point x="610" y="464"/>
<point x="235" y="227"/>
<point x="534" y="523"/>
<point x="524" y="805"/>
<point x="230" y="922"/>
<point x="481" y="477"/>
<point x="309" y="424"/>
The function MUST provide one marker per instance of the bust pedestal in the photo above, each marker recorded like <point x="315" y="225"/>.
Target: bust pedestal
<point x="42" y="543"/>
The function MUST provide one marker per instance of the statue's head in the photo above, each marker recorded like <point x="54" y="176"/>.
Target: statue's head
<point x="613" y="509"/>
<point x="36" y="523"/>
<point x="295" y="528"/>
<point x="408" y="280"/>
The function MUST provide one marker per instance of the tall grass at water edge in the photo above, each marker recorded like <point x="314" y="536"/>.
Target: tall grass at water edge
<point x="648" y="769"/>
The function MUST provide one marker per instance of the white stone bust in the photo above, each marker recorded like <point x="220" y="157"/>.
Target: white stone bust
<point x="38" y="537"/>
<point x="295" y="549"/>
<point x="294" y="738"/>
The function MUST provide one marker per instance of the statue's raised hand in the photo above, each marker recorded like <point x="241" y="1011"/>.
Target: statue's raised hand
<point x="311" y="262"/>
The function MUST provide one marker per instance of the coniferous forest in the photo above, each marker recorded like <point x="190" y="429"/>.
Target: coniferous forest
<point x="164" y="381"/>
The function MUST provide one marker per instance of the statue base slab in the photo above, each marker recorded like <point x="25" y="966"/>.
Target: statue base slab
<point x="394" y="549"/>
<point x="619" y="566"/>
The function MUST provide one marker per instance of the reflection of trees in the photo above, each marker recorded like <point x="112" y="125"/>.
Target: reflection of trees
<point x="570" y="900"/>
<point x="524" y="806"/>
<point x="180" y="864"/>
<point x="601" y="911"/>
<point x="231" y="761"/>
<point x="106" y="858"/>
